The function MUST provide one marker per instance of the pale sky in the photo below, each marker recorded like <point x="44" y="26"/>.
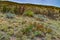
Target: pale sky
<point x="44" y="2"/>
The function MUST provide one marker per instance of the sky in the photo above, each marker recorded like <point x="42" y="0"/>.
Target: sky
<point x="42" y="2"/>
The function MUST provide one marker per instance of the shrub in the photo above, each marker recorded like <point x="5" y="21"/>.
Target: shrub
<point x="5" y="9"/>
<point x="10" y="15"/>
<point x="28" y="29"/>
<point x="29" y="13"/>
<point x="36" y="33"/>
<point x="15" y="10"/>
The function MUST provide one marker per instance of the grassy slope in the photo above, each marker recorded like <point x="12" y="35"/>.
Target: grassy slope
<point x="32" y="26"/>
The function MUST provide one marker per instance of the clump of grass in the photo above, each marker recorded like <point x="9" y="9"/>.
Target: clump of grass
<point x="4" y="36"/>
<point x="3" y="27"/>
<point x="10" y="31"/>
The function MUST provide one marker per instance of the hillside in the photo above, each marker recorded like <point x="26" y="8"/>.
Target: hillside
<point x="19" y="21"/>
<point x="17" y="8"/>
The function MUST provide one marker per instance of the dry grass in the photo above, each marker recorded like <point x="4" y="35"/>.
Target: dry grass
<point x="29" y="28"/>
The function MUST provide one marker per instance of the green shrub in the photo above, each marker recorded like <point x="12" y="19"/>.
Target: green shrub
<point x="29" y="13"/>
<point x="37" y="33"/>
<point x="28" y="29"/>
